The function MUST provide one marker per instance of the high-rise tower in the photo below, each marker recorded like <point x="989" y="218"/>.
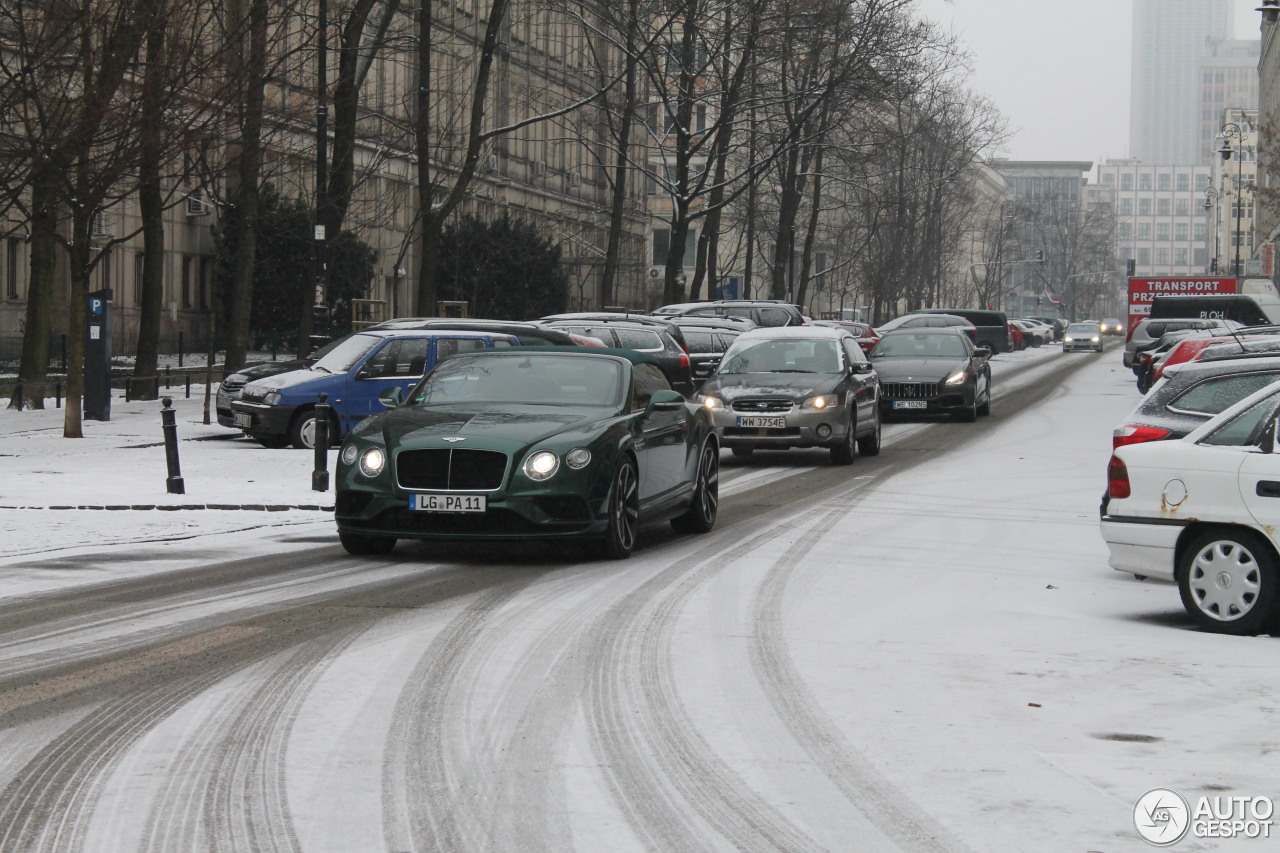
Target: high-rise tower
<point x="1171" y="38"/>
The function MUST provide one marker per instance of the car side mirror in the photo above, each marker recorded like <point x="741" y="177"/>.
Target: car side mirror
<point x="392" y="398"/>
<point x="665" y="401"/>
<point x="985" y="352"/>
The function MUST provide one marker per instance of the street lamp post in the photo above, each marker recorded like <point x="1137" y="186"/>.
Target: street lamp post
<point x="1211" y="203"/>
<point x="1232" y="130"/>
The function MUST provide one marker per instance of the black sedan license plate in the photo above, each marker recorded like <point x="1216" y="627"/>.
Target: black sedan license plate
<point x="762" y="423"/>
<point x="447" y="503"/>
<point x="910" y="404"/>
<point x="242" y="420"/>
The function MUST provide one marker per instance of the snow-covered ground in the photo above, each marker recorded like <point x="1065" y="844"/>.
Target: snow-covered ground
<point x="936" y="659"/>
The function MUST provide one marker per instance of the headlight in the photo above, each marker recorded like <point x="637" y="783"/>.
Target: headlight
<point x="272" y="397"/>
<point x="711" y="402"/>
<point x="577" y="458"/>
<point x="1094" y="339"/>
<point x="1067" y="339"/>
<point x="349" y="454"/>
<point x="541" y="465"/>
<point x="957" y="377"/>
<point x="822" y="401"/>
<point x="372" y="461"/>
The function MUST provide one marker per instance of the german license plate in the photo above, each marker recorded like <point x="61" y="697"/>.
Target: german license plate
<point x="447" y="503"/>
<point x="242" y="420"/>
<point x="910" y="404"/>
<point x="762" y="423"/>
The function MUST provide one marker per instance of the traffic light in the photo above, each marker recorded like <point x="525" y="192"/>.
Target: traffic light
<point x="1039" y="301"/>
<point x="1133" y="268"/>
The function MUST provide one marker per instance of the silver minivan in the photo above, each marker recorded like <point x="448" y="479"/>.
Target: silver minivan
<point x="1146" y="333"/>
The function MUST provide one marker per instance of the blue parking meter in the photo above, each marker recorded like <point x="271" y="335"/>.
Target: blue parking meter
<point x="97" y="357"/>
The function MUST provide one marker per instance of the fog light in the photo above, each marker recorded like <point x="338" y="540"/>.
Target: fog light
<point x="824" y="431"/>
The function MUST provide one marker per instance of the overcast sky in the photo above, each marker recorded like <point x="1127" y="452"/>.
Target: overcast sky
<point x="1058" y="72"/>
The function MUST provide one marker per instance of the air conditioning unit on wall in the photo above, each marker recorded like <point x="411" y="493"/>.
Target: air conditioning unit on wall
<point x="100" y="228"/>
<point x="538" y="168"/>
<point x="657" y="272"/>
<point x="197" y="206"/>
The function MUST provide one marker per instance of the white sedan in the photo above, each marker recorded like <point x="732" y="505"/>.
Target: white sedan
<point x="1204" y="511"/>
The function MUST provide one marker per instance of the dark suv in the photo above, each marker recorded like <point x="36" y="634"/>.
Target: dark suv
<point x="654" y="337"/>
<point x="762" y="312"/>
<point x="993" y="326"/>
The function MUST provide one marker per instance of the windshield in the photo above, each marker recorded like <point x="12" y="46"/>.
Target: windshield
<point x="1082" y="329"/>
<point x="346" y="353"/>
<point x="919" y="346"/>
<point x="545" y="379"/>
<point x="781" y="356"/>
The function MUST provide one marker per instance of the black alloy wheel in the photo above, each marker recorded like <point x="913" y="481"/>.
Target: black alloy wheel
<point x="842" y="453"/>
<point x="985" y="408"/>
<point x="365" y="544"/>
<point x="624" y="512"/>
<point x="869" y="445"/>
<point x="701" y="515"/>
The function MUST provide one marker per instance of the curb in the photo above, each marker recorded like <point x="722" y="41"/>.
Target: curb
<point x="175" y="507"/>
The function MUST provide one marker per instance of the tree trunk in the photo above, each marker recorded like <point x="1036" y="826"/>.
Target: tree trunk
<point x="33" y="369"/>
<point x="78" y="262"/>
<point x="621" y="168"/>
<point x="151" y="207"/>
<point x="248" y="168"/>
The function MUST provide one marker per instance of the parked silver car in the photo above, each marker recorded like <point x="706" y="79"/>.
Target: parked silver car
<point x="1150" y="330"/>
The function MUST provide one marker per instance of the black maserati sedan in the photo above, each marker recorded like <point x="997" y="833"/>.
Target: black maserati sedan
<point x="932" y="371"/>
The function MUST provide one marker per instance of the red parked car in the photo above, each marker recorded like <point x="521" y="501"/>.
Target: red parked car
<point x="866" y="335"/>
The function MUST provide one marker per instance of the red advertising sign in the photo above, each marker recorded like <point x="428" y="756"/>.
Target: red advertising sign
<point x="1143" y="290"/>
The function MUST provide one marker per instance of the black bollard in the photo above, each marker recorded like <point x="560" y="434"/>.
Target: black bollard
<point x="169" y="418"/>
<point x="320" y="476"/>
<point x="18" y="394"/>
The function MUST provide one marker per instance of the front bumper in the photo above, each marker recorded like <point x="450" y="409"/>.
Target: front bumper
<point x="264" y="420"/>
<point x="1082" y="345"/>
<point x="1141" y="546"/>
<point x="802" y="428"/>
<point x="900" y="398"/>
<point x="544" y="515"/>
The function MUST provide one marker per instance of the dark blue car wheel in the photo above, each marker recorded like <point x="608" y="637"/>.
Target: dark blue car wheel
<point x="701" y="515"/>
<point x="624" y="511"/>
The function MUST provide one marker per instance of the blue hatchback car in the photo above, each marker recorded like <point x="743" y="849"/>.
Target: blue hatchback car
<point x="280" y="410"/>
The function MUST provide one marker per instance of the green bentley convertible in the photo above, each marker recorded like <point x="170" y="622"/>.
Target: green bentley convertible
<point x="529" y="444"/>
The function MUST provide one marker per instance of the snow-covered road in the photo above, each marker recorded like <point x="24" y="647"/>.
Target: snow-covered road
<point x="925" y="651"/>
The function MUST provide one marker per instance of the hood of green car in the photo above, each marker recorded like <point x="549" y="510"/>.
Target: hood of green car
<point x="460" y="426"/>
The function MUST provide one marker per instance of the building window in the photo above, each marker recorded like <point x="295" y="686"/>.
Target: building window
<point x="1144" y="230"/>
<point x="1180" y="231"/>
<point x="1126" y="230"/>
<point x="1164" y="181"/>
<point x="1184" y="182"/>
<point x="1162" y="257"/>
<point x="1108" y="178"/>
<point x="662" y="245"/>
<point x="1163" y="207"/>
<point x="1162" y="231"/>
<point x="1180" y="257"/>
<point x="1182" y="207"/>
<point x="1144" y="181"/>
<point x="1144" y="207"/>
<point x="1200" y="231"/>
<point x="1126" y="181"/>
<point x="205" y="268"/>
<point x="1200" y="258"/>
<point x="186" y="282"/>
<point x="11" y="267"/>
<point x="1126" y="207"/>
<point x="1144" y="257"/>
